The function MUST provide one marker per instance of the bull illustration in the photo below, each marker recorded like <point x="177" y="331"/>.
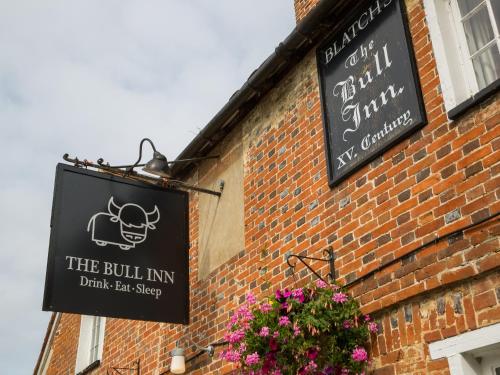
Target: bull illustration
<point x="123" y="226"/>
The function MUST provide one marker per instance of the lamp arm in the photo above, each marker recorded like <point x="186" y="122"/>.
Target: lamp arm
<point x="130" y="169"/>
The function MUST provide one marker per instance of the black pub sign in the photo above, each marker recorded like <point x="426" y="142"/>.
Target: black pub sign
<point x="118" y="248"/>
<point x="370" y="94"/>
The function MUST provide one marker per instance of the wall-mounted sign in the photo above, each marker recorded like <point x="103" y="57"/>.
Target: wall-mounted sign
<point x="369" y="87"/>
<point x="118" y="248"/>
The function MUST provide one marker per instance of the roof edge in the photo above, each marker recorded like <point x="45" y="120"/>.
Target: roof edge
<point x="313" y="27"/>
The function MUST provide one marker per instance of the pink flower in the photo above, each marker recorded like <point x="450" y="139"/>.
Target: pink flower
<point x="244" y="313"/>
<point x="265" y="307"/>
<point x="373" y="327"/>
<point x="264" y="332"/>
<point x="276" y="334"/>
<point x="311" y="366"/>
<point x="284" y="321"/>
<point x="251" y="298"/>
<point x="233" y="319"/>
<point x="230" y="355"/>
<point x="277" y="372"/>
<point x="339" y="297"/>
<point x="282" y="294"/>
<point x="235" y="336"/>
<point x="347" y="324"/>
<point x="298" y="295"/>
<point x="367" y="318"/>
<point x="359" y="354"/>
<point x="321" y="284"/>
<point x="296" y="330"/>
<point x="252" y="359"/>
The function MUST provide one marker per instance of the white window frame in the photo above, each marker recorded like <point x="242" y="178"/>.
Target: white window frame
<point x="459" y="350"/>
<point x="90" y="341"/>
<point x="466" y="55"/>
<point x="454" y="64"/>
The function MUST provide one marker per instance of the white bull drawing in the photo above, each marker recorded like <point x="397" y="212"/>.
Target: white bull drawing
<point x="124" y="226"/>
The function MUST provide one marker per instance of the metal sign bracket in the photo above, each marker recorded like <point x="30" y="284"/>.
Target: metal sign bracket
<point x="128" y="173"/>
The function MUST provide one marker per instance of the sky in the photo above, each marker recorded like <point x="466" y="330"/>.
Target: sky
<point x="92" y="78"/>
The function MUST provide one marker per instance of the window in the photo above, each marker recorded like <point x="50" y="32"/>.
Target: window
<point x="472" y="353"/>
<point x="466" y="41"/>
<point x="477" y="25"/>
<point x="90" y="342"/>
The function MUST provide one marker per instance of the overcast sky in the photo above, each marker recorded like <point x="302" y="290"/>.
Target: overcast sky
<point x="91" y="78"/>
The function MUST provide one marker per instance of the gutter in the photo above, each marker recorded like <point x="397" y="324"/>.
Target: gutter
<point x="325" y="18"/>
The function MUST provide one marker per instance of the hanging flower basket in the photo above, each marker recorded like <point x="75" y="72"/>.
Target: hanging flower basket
<point x="318" y="329"/>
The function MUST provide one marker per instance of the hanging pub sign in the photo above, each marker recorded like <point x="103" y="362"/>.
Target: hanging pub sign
<point x="370" y="94"/>
<point x="118" y="248"/>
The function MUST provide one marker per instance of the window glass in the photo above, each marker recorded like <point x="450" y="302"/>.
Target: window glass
<point x="94" y="344"/>
<point x="495" y="6"/>
<point x="487" y="66"/>
<point x="467" y="5"/>
<point x="478" y="29"/>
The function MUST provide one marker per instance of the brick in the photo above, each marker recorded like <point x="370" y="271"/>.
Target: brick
<point x="448" y="171"/>
<point x="489" y="316"/>
<point x="452" y="276"/>
<point x="473" y="169"/>
<point x="452" y="216"/>
<point x="386" y="370"/>
<point x="489" y="263"/>
<point x="484" y="300"/>
<point x="432" y="336"/>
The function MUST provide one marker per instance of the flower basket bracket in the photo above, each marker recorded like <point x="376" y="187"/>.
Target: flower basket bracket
<point x="328" y="257"/>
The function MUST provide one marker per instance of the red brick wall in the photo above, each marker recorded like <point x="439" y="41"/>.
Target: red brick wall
<point x="65" y="344"/>
<point x="407" y="328"/>
<point x="442" y="178"/>
<point x="302" y="8"/>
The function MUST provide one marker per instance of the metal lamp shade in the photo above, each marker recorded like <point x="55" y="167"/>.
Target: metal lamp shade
<point x="158" y="165"/>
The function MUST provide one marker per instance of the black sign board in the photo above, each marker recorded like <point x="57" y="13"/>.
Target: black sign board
<point x="369" y="87"/>
<point x="118" y="248"/>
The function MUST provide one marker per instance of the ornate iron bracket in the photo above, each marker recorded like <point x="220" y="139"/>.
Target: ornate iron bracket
<point x="136" y="369"/>
<point x="329" y="258"/>
<point x="129" y="173"/>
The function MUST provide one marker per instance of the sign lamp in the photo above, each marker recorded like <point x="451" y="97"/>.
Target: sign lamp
<point x="178" y="364"/>
<point x="158" y="165"/>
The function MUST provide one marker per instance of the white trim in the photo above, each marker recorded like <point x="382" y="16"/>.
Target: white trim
<point x="463" y="364"/>
<point x="439" y="17"/>
<point x="465" y="342"/>
<point x="47" y="353"/>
